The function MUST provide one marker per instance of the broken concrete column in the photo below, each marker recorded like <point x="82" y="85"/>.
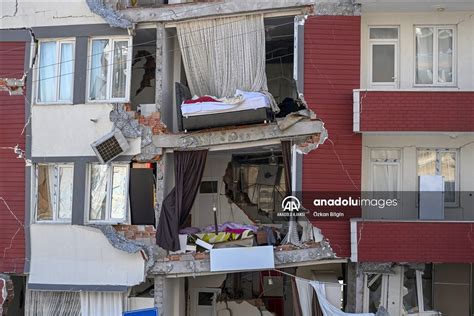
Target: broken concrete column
<point x="160" y="43"/>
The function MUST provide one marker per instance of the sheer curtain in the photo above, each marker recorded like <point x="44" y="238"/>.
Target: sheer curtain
<point x="101" y="303"/>
<point x="98" y="70"/>
<point x="66" y="76"/>
<point x="45" y="303"/>
<point x="47" y="72"/>
<point x="225" y="54"/>
<point x="424" y="55"/>
<point x="98" y="193"/>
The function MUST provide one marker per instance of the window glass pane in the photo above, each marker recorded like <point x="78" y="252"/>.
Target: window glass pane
<point x="424" y="55"/>
<point x="410" y="297"/>
<point x="66" y="75"/>
<point x="98" y="197"/>
<point x="448" y="171"/>
<point x="98" y="69"/>
<point x="66" y="175"/>
<point x="383" y="63"/>
<point x="119" y="75"/>
<point x="46" y="192"/>
<point x="385" y="180"/>
<point x="384" y="33"/>
<point x="383" y="154"/>
<point x="119" y="192"/>
<point x="47" y="72"/>
<point x="445" y="55"/>
<point x="426" y="163"/>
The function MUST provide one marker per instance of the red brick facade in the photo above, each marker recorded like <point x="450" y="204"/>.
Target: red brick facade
<point x="438" y="242"/>
<point x="332" y="71"/>
<point x="12" y="169"/>
<point x="416" y="111"/>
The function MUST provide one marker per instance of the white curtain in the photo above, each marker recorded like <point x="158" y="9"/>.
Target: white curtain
<point x="47" y="72"/>
<point x="225" y="54"/>
<point x="66" y="76"/>
<point x="424" y="55"/>
<point x="327" y="308"/>
<point x="101" y="303"/>
<point x="305" y="294"/>
<point x="98" y="69"/>
<point x="46" y="303"/>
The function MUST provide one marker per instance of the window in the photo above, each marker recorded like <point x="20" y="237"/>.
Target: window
<point x="108" y="199"/>
<point x="55" y="72"/>
<point x="434" y="56"/>
<point x="383" y="55"/>
<point x="441" y="162"/>
<point x="54" y="190"/>
<point x="385" y="167"/>
<point x="109" y="69"/>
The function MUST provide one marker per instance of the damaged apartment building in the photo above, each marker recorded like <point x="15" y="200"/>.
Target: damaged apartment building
<point x="151" y="145"/>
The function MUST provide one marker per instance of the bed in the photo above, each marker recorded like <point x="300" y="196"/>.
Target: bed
<point x="255" y="108"/>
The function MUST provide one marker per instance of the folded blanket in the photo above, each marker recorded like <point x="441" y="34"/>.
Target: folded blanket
<point x="214" y="238"/>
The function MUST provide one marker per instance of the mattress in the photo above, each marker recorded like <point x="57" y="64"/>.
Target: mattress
<point x="252" y="101"/>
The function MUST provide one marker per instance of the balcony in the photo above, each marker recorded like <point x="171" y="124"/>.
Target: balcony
<point x="413" y="111"/>
<point x="411" y="241"/>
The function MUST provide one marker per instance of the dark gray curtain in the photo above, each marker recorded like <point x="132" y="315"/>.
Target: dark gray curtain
<point x="286" y="153"/>
<point x="188" y="170"/>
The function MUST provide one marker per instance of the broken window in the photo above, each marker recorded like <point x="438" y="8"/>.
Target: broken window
<point x="441" y="162"/>
<point x="109" y="69"/>
<point x="55" y="71"/>
<point x="108" y="192"/>
<point x="54" y="192"/>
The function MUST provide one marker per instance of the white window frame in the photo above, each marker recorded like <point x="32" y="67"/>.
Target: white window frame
<point x="36" y="75"/>
<point x="112" y="39"/>
<point x="388" y="41"/>
<point x="456" y="173"/>
<point x="56" y="218"/>
<point x="108" y="209"/>
<point x="435" y="56"/>
<point x="392" y="162"/>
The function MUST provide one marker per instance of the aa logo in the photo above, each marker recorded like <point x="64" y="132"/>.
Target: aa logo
<point x="290" y="204"/>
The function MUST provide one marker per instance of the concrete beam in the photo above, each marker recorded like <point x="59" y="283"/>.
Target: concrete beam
<point x="171" y="13"/>
<point x="249" y="136"/>
<point x="283" y="259"/>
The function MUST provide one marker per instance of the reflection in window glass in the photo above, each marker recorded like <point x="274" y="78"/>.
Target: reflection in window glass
<point x="448" y="171"/>
<point x="445" y="55"/>
<point x="99" y="69"/>
<point x="426" y="163"/>
<point x="440" y="162"/>
<point x="383" y="63"/>
<point x="119" y="192"/>
<point x="45" y="198"/>
<point x="98" y="197"/>
<point x="424" y="55"/>
<point x="66" y="175"/>
<point x="119" y="69"/>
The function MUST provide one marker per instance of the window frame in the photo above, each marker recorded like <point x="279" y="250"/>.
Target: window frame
<point x="435" y="82"/>
<point x="56" y="218"/>
<point x="36" y="75"/>
<point x="108" y="220"/>
<point x="392" y="162"/>
<point x="386" y="41"/>
<point x="456" y="172"/>
<point x="110" y="68"/>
